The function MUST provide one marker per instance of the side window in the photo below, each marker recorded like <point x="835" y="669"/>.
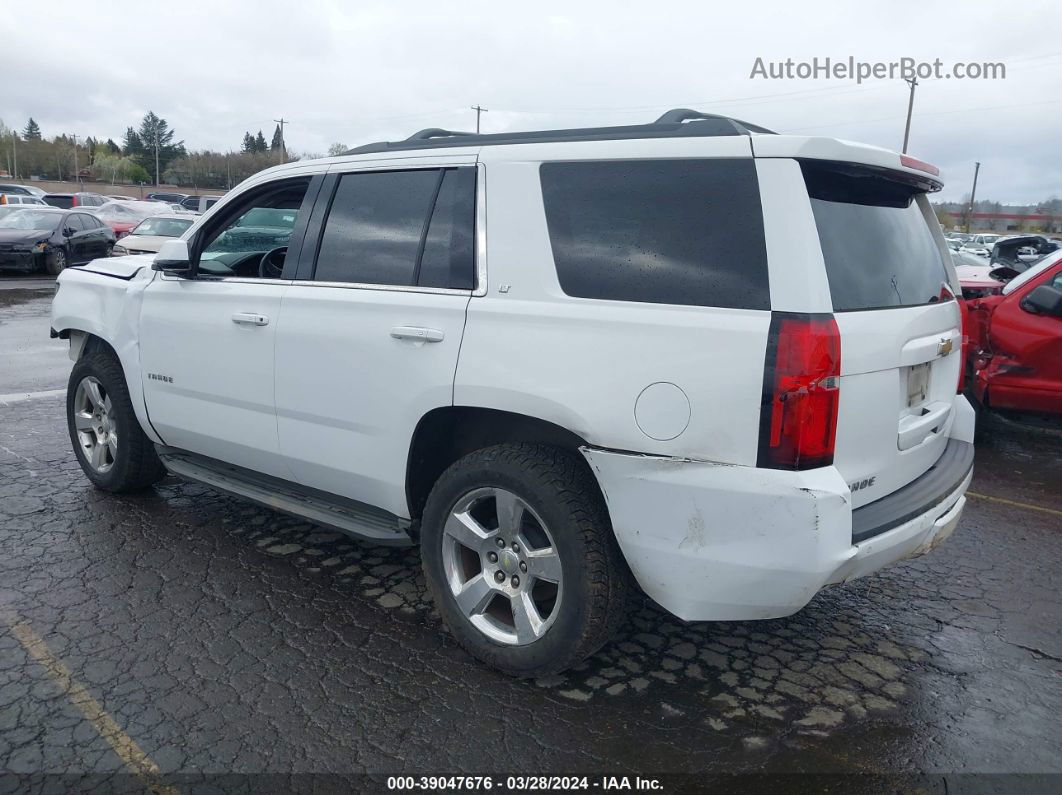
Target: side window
<point x="374" y="227"/>
<point x="258" y="223"/>
<point x="448" y="259"/>
<point x="401" y="228"/>
<point x="658" y="231"/>
<point x="75" y="222"/>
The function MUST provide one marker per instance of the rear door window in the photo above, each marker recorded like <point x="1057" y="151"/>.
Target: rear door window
<point x="400" y="228"/>
<point x="878" y="249"/>
<point x="658" y="231"/>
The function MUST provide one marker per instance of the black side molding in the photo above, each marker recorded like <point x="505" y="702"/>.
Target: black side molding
<point x="917" y="497"/>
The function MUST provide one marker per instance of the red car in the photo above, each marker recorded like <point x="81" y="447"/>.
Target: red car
<point x="1016" y="341"/>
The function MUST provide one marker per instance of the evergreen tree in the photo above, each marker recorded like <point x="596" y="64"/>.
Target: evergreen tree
<point x="157" y="144"/>
<point x="32" y="131"/>
<point x="112" y="147"/>
<point x="276" y="143"/>
<point x="260" y="143"/>
<point x="248" y="144"/>
<point x="132" y="146"/>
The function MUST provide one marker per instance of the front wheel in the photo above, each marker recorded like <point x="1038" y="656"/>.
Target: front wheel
<point x="56" y="263"/>
<point x="520" y="558"/>
<point x="110" y="445"/>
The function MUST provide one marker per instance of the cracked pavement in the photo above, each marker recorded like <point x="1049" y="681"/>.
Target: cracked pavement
<point x="225" y="638"/>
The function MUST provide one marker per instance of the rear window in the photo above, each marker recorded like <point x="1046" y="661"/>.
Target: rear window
<point x="658" y="231"/>
<point x="879" y="250"/>
<point x="66" y="202"/>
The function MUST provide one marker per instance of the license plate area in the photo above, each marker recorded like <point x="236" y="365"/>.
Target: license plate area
<point x="917" y="384"/>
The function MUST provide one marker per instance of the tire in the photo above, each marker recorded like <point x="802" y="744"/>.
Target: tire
<point x="130" y="462"/>
<point x="57" y="262"/>
<point x="566" y="534"/>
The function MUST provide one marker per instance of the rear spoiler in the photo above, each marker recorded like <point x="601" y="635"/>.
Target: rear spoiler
<point x="897" y="167"/>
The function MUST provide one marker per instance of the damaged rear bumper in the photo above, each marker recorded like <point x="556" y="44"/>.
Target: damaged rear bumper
<point x="713" y="542"/>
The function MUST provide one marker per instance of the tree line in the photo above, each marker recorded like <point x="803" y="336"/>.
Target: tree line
<point x="149" y="154"/>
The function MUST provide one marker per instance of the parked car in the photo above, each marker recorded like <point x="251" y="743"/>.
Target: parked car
<point x="149" y="235"/>
<point x="21" y="190"/>
<point x="121" y="217"/>
<point x="979" y="279"/>
<point x="69" y="200"/>
<point x="981" y="244"/>
<point x="200" y="204"/>
<point x="15" y="198"/>
<point x="1019" y="251"/>
<point x="1017" y="335"/>
<point x="175" y="198"/>
<point x="556" y="361"/>
<point x="50" y="239"/>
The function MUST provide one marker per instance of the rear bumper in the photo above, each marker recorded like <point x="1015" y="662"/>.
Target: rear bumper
<point x="711" y="542"/>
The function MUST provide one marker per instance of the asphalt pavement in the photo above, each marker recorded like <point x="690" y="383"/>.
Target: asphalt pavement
<point x="167" y="639"/>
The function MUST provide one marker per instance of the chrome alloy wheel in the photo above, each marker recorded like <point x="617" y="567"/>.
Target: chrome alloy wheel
<point x="502" y="566"/>
<point x="96" y="428"/>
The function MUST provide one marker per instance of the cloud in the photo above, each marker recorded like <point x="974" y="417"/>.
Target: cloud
<point x="374" y="70"/>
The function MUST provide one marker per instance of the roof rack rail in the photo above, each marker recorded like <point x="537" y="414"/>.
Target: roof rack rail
<point x="435" y="132"/>
<point x="679" y="115"/>
<point x="677" y="123"/>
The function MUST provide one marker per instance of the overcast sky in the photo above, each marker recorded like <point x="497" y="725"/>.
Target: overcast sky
<point x="357" y="72"/>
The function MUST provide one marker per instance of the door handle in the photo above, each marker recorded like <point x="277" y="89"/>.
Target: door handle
<point x="417" y="333"/>
<point x="250" y="319"/>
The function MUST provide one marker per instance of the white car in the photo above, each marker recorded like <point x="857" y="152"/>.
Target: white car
<point x="148" y="236"/>
<point x="16" y="199"/>
<point x="564" y="363"/>
<point x="981" y="245"/>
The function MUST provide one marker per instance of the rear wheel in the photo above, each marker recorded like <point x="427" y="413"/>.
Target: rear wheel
<point x="520" y="558"/>
<point x="56" y="262"/>
<point x="107" y="438"/>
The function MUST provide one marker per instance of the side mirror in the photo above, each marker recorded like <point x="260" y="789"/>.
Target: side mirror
<point x="68" y="231"/>
<point x="1044" y="300"/>
<point x="173" y="258"/>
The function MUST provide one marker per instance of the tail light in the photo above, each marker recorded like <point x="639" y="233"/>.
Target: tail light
<point x="3" y="198"/>
<point x="801" y="392"/>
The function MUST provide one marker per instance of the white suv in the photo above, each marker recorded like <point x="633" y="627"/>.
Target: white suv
<point x="694" y="355"/>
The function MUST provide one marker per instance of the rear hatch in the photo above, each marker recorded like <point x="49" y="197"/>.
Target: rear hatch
<point x="899" y="323"/>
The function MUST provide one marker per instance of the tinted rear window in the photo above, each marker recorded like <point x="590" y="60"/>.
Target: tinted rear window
<point x="66" y="202"/>
<point x="879" y="250"/>
<point x="658" y="231"/>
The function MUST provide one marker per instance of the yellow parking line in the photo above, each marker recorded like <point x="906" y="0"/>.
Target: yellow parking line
<point x="137" y="762"/>
<point x="1027" y="506"/>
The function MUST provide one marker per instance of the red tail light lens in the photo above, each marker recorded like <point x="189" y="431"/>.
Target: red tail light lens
<point x="801" y="392"/>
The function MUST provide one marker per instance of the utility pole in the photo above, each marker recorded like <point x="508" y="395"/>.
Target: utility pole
<point x="77" y="171"/>
<point x="14" y="151"/>
<point x="478" y="111"/>
<point x="912" y="82"/>
<point x="157" y="174"/>
<point x="283" y="152"/>
<point x="973" y="195"/>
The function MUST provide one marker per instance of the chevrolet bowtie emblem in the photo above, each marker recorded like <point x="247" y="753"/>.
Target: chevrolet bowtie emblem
<point x="944" y="347"/>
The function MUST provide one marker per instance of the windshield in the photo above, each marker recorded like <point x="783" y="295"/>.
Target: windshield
<point x="1033" y="271"/>
<point x="268" y="216"/>
<point x="30" y="219"/>
<point x="163" y="227"/>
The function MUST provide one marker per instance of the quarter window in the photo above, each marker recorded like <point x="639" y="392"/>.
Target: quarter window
<point x="658" y="231"/>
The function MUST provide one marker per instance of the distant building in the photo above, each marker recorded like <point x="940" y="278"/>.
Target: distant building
<point x="1016" y="222"/>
